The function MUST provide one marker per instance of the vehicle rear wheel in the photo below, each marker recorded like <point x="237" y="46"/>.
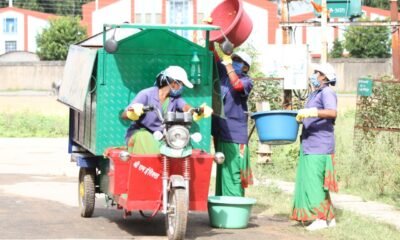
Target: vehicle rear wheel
<point x="176" y="217"/>
<point x="86" y="191"/>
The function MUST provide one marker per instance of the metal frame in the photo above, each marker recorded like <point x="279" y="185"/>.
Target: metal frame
<point x="204" y="27"/>
<point x="336" y="24"/>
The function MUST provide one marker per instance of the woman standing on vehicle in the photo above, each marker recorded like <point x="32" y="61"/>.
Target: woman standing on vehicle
<point x="165" y="96"/>
<point x="315" y="170"/>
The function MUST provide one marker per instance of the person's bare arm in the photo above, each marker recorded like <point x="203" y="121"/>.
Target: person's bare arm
<point x="186" y="107"/>
<point x="327" y="113"/>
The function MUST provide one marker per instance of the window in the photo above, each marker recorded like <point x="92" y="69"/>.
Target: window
<point x="11" y="46"/>
<point x="179" y="14"/>
<point x="10" y="25"/>
<point x="147" y="18"/>
<point x="138" y="18"/>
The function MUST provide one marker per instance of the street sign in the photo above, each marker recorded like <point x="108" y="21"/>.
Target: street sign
<point x="287" y="61"/>
<point x="342" y="8"/>
<point x="364" y="87"/>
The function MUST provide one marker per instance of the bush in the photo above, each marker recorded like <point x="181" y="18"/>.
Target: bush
<point x="337" y="50"/>
<point x="29" y="124"/>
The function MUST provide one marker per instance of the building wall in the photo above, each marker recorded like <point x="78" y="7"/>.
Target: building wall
<point x="30" y="75"/>
<point x="115" y="13"/>
<point x="19" y="56"/>
<point x="35" y="27"/>
<point x="259" y="17"/>
<point x="349" y="70"/>
<point x="41" y="75"/>
<point x="148" y="11"/>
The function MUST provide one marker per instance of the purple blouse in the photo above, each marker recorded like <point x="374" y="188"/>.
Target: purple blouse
<point x="318" y="134"/>
<point x="150" y="121"/>
<point x="232" y="128"/>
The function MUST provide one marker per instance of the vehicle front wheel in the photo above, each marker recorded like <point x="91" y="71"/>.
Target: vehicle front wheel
<point x="176" y="218"/>
<point x="86" y="191"/>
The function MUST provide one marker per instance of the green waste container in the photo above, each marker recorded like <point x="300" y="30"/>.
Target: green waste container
<point x="229" y="211"/>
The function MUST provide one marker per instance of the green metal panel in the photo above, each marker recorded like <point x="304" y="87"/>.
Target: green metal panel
<point x="133" y="67"/>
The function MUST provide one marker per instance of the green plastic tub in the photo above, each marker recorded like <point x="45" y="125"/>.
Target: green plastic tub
<point x="229" y="212"/>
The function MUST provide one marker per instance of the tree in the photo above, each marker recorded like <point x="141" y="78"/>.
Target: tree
<point x="368" y="42"/>
<point x="337" y="50"/>
<point x="28" y="4"/>
<point x="60" y="7"/>
<point x="53" y="42"/>
<point x="384" y="4"/>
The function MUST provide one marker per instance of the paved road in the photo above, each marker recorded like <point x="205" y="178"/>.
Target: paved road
<point x="39" y="201"/>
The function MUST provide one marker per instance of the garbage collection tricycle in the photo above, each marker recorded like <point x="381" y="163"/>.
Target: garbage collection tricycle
<point x="99" y="82"/>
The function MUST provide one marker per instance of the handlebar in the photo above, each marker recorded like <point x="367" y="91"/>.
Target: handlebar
<point x="148" y="108"/>
<point x="198" y="110"/>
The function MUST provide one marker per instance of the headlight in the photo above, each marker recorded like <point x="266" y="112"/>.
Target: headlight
<point x="196" y="137"/>
<point x="124" y="156"/>
<point x="178" y="137"/>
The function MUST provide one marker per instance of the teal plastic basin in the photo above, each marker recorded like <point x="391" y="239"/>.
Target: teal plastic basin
<point x="229" y="212"/>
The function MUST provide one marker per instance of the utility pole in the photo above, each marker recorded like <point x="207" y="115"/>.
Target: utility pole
<point x="324" y="22"/>
<point x="287" y="93"/>
<point x="395" y="41"/>
<point x="285" y="18"/>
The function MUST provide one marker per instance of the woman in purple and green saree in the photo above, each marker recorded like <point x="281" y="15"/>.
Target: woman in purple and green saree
<point x="316" y="175"/>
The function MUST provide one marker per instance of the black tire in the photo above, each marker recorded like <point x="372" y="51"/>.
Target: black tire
<point x="176" y="218"/>
<point x="86" y="191"/>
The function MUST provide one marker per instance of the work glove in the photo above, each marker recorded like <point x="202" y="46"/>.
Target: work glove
<point x="206" y="112"/>
<point x="135" y="111"/>
<point x="306" y="113"/>
<point x="208" y="20"/>
<point x="226" y="59"/>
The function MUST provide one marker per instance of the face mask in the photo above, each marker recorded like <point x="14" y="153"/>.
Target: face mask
<point x="238" y="66"/>
<point x="314" y="80"/>
<point x="176" y="92"/>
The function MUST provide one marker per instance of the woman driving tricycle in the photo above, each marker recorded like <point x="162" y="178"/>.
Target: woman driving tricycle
<point x="164" y="96"/>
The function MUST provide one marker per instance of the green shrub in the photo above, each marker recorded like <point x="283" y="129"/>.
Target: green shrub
<point x="29" y="124"/>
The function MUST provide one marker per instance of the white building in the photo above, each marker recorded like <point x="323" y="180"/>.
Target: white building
<point x="264" y="15"/>
<point x="95" y="14"/>
<point x="20" y="27"/>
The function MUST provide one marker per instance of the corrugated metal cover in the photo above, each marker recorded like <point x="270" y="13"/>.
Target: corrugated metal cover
<point x="77" y="74"/>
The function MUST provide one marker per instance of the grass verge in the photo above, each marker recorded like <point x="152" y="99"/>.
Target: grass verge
<point x="30" y="124"/>
<point x="272" y="201"/>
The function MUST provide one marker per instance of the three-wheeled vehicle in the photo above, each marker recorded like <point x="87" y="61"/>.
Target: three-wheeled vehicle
<point x="102" y="75"/>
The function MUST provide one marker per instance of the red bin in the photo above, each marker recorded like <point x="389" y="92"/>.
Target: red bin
<point x="235" y="24"/>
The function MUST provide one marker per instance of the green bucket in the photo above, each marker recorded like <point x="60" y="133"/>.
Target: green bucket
<point x="229" y="211"/>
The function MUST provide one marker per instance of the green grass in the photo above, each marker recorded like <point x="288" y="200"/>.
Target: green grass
<point x="272" y="201"/>
<point x="30" y="124"/>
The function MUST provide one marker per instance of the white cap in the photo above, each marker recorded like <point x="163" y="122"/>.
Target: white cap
<point x="244" y="56"/>
<point x="327" y="70"/>
<point x="178" y="73"/>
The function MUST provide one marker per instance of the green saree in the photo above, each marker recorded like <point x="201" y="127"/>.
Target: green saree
<point x="315" y="177"/>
